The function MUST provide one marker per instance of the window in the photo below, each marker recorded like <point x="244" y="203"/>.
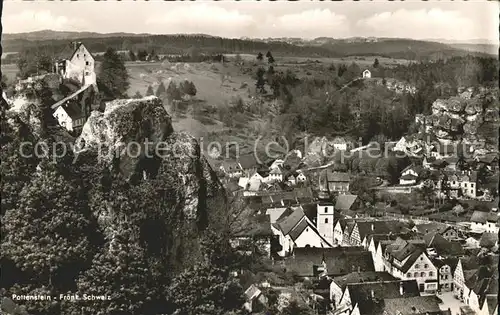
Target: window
<point x="326" y="209"/>
<point x="431" y="273"/>
<point x="426" y="266"/>
<point x="454" y="183"/>
<point x="87" y="63"/>
<point x="77" y="55"/>
<point x="408" y="275"/>
<point x="417" y="266"/>
<point x="472" y="185"/>
<point x="326" y="220"/>
<point x="422" y="274"/>
<point x="465" y="184"/>
<point x="421" y="258"/>
<point x="415" y="274"/>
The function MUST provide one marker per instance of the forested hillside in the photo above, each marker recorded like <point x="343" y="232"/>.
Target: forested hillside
<point x="179" y="44"/>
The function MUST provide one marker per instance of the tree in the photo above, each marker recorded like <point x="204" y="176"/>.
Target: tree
<point x="132" y="56"/>
<point x="33" y="62"/>
<point x="188" y="88"/>
<point x="113" y="76"/>
<point x="238" y="60"/>
<point x="260" y="57"/>
<point x="137" y="95"/>
<point x="161" y="90"/>
<point x="208" y="287"/>
<point x="5" y="81"/>
<point x="142" y="55"/>
<point x="260" y="82"/>
<point x="294" y="308"/>
<point x="270" y="57"/>
<point x="173" y="92"/>
<point x="376" y="63"/>
<point x="150" y="91"/>
<point x="63" y="220"/>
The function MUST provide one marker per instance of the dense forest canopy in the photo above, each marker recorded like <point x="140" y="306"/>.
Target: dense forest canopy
<point x="180" y="44"/>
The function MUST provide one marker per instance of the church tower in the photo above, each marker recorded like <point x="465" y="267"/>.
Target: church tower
<point x="324" y="220"/>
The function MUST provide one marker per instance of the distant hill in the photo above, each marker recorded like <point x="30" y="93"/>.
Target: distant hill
<point x="179" y="43"/>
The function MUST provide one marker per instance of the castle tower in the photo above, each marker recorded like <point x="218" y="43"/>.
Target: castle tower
<point x="324" y="220"/>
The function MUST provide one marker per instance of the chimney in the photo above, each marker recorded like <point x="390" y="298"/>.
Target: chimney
<point x="401" y="289"/>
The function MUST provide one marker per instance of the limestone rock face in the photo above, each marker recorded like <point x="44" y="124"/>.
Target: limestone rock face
<point x="136" y="138"/>
<point x="471" y="116"/>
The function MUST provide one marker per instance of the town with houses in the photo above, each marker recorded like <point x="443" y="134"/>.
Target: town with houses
<point x="340" y="239"/>
<point x="356" y="258"/>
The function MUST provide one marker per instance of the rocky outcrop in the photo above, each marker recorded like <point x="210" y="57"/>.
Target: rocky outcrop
<point x="135" y="137"/>
<point x="471" y="116"/>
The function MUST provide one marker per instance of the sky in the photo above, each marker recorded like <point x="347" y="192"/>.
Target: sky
<point x="455" y="21"/>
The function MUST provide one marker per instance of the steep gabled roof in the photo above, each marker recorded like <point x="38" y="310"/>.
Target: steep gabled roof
<point x="286" y="224"/>
<point x="378" y="227"/>
<point x="483" y="217"/>
<point x="248" y="161"/>
<point x="369" y="297"/>
<point x="339" y="260"/>
<point x="332" y="176"/>
<point x="361" y="277"/>
<point x="345" y="202"/>
<point x="414" y="305"/>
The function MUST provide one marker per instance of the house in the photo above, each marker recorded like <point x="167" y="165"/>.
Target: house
<point x="482" y="284"/>
<point x="340" y="229"/>
<point x="447" y="231"/>
<point x="347" y="202"/>
<point x="72" y="111"/>
<point x="295" y="230"/>
<point x="291" y="180"/>
<point x="361" y="230"/>
<point x="415" y="305"/>
<point x="489" y="160"/>
<point x="437" y="245"/>
<point x="313" y="262"/>
<point x="469" y="271"/>
<point x="367" y="74"/>
<point x="460" y="184"/>
<point x="408" y="145"/>
<point x="301" y="177"/>
<point x="374" y="248"/>
<point x="446" y="268"/>
<point x="79" y="65"/>
<point x="337" y="182"/>
<point x="408" y="260"/>
<point x="369" y="298"/>
<point x="408" y="179"/>
<point x="339" y="283"/>
<point x="230" y="168"/>
<point x="339" y="143"/>
<point x="472" y="242"/>
<point x="255" y="299"/>
<point x="484" y="222"/>
<point x="255" y="231"/>
<point x="278" y="163"/>
<point x="409" y="175"/>
<point x="276" y="175"/>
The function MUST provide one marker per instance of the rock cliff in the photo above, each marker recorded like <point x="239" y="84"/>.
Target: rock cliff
<point x="135" y="137"/>
<point x="472" y="117"/>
